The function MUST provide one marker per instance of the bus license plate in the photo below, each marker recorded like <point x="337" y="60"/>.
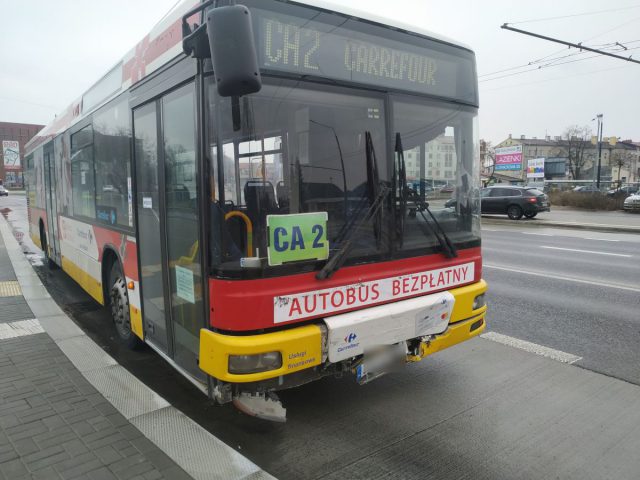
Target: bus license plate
<point x="381" y="361"/>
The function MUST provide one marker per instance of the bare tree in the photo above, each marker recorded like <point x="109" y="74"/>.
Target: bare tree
<point x="488" y="153"/>
<point x="621" y="160"/>
<point x="577" y="140"/>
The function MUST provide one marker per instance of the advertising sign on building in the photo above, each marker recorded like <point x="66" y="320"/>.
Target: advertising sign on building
<point x="509" y="158"/>
<point x="535" y="168"/>
<point x="11" y="155"/>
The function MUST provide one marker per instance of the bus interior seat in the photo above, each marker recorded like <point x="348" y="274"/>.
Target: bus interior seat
<point x="260" y="198"/>
<point x="283" y="198"/>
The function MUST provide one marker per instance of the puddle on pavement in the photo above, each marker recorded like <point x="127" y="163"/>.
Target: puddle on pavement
<point x="20" y="229"/>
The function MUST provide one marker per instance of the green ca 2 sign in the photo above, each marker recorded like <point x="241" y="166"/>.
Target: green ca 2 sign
<point x="295" y="237"/>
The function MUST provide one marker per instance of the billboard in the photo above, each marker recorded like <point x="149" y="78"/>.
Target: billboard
<point x="509" y="158"/>
<point x="11" y="155"/>
<point x="535" y="168"/>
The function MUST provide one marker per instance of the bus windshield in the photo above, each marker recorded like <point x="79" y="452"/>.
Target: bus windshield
<point x="299" y="147"/>
<point x="320" y="138"/>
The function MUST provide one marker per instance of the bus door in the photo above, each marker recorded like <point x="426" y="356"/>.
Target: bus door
<point x="51" y="202"/>
<point x="167" y="207"/>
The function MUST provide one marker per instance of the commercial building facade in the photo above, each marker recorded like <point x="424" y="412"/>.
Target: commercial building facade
<point x="13" y="138"/>
<point x="619" y="160"/>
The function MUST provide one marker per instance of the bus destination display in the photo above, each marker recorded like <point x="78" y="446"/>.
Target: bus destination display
<point x="312" y="48"/>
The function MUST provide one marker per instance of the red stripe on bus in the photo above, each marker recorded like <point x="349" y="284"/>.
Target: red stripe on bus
<point x="231" y="310"/>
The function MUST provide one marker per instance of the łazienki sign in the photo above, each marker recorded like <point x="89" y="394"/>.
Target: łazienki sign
<point x="346" y="297"/>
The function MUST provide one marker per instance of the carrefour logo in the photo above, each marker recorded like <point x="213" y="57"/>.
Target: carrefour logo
<point x="350" y="341"/>
<point x="350" y="338"/>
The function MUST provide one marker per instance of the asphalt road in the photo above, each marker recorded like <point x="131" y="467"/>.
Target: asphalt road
<point x="477" y="411"/>
<point x="575" y="291"/>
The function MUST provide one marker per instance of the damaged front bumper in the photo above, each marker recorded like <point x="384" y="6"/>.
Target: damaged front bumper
<point x="313" y="351"/>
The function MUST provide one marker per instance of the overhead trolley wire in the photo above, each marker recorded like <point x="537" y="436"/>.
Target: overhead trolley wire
<point x="575" y="15"/>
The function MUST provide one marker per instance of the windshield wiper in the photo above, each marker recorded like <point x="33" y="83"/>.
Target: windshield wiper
<point x="377" y="193"/>
<point x="448" y="248"/>
<point x="338" y="258"/>
<point x="399" y="181"/>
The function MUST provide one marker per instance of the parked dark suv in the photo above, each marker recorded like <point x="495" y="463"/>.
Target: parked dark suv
<point x="514" y="201"/>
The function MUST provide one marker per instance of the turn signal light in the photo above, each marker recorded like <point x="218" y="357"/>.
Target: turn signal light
<point x="131" y="285"/>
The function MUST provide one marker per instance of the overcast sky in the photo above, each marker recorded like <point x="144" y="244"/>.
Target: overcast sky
<point x="51" y="51"/>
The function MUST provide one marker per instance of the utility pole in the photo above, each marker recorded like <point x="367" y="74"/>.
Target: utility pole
<point x="600" y="122"/>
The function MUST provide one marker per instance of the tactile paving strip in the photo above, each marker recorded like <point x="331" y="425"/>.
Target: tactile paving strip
<point x="202" y="455"/>
<point x="10" y="289"/>
<point x="85" y="354"/>
<point x="125" y="392"/>
<point x="20" y="329"/>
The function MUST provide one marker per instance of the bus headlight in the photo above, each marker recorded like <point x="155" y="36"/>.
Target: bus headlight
<point x="478" y="302"/>
<point x="259" y="362"/>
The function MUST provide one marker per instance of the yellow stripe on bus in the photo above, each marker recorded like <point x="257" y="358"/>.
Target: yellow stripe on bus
<point x="136" y="321"/>
<point x="86" y="281"/>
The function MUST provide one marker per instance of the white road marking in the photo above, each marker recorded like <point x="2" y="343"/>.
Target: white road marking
<point x="561" y="277"/>
<point x="585" y="251"/>
<point x="538" y="234"/>
<point x="600" y="239"/>
<point x="20" y="329"/>
<point x="541" y="350"/>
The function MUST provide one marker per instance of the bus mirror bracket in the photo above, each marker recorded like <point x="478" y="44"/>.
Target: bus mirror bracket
<point x="195" y="42"/>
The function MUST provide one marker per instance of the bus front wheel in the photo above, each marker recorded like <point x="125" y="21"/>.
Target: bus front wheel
<point x="119" y="300"/>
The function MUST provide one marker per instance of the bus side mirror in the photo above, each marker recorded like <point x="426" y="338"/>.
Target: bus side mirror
<point x="233" y="51"/>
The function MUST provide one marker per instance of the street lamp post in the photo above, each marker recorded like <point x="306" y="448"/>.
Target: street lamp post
<point x="600" y="122"/>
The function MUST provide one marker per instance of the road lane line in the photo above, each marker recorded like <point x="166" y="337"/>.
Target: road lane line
<point x="585" y="251"/>
<point x="541" y="350"/>
<point x="600" y="239"/>
<point x="560" y="277"/>
<point x="538" y="234"/>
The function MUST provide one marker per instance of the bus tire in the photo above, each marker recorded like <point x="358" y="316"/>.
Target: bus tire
<point x="514" y="212"/>
<point x="119" y="303"/>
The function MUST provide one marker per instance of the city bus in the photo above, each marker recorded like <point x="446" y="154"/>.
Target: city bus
<point x="235" y="191"/>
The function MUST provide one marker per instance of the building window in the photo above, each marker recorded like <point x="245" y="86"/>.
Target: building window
<point x="82" y="174"/>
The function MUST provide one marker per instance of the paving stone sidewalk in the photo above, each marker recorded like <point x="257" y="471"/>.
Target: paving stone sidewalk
<point x="53" y="423"/>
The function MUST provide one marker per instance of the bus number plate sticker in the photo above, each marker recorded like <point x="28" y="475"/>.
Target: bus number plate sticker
<point x="296" y="237"/>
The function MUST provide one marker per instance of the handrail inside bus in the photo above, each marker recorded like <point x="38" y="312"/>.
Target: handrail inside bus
<point x="249" y="226"/>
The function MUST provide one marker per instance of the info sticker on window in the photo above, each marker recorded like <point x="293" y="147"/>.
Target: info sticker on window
<point x="296" y="237"/>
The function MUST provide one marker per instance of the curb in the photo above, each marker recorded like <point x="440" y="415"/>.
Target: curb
<point x="194" y="449"/>
<point x="596" y="227"/>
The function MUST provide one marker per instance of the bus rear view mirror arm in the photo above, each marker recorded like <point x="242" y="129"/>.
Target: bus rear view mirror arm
<point x="230" y="43"/>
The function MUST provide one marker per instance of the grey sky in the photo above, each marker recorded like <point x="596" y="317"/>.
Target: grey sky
<point x="51" y="51"/>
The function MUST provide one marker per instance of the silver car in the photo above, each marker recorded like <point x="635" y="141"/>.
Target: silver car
<point x="632" y="203"/>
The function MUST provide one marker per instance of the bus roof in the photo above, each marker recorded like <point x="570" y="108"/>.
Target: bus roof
<point x="162" y="44"/>
<point x="365" y="15"/>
